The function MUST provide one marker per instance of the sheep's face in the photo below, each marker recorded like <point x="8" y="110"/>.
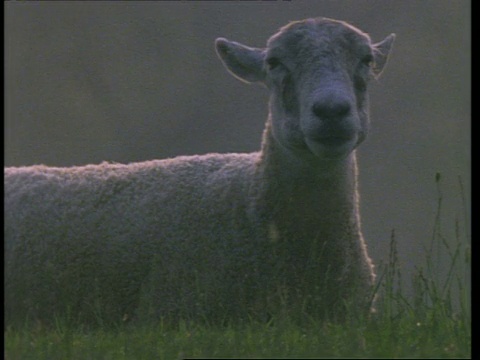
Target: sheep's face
<point x="317" y="71"/>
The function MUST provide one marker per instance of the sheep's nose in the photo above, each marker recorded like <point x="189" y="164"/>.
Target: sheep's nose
<point x="331" y="108"/>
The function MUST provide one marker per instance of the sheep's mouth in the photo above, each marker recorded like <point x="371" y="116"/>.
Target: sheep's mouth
<point x="332" y="141"/>
<point x="334" y="146"/>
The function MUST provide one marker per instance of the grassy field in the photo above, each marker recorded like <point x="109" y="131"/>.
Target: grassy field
<point x="434" y="322"/>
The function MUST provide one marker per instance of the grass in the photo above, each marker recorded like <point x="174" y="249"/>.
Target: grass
<point x="434" y="322"/>
<point x="402" y="337"/>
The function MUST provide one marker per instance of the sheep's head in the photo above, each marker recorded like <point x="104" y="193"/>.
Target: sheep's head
<point x="317" y="71"/>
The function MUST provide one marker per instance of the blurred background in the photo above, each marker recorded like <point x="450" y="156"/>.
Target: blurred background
<point x="132" y="81"/>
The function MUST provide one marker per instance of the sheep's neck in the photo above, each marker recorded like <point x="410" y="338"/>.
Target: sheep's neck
<point x="307" y="199"/>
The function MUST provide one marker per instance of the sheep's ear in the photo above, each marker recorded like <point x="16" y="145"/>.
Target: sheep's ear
<point x="380" y="54"/>
<point x="245" y="63"/>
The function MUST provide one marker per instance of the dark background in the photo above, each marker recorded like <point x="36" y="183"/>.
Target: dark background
<point x="133" y="81"/>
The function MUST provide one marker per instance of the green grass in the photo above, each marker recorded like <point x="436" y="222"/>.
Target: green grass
<point x="433" y="322"/>
<point x="403" y="337"/>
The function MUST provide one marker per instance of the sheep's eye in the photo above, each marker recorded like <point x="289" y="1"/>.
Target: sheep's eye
<point x="367" y="60"/>
<point x="273" y="63"/>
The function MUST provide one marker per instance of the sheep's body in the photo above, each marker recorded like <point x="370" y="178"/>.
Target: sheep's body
<point x="216" y="235"/>
<point x="73" y="214"/>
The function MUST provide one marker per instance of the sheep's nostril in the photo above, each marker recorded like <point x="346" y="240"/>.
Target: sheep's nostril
<point x="331" y="109"/>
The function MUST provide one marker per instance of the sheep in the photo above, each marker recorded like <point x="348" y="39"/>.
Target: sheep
<point x="215" y="236"/>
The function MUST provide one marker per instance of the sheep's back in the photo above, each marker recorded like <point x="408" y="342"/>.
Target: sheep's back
<point x="119" y="196"/>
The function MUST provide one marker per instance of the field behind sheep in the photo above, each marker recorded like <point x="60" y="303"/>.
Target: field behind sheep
<point x="433" y="322"/>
